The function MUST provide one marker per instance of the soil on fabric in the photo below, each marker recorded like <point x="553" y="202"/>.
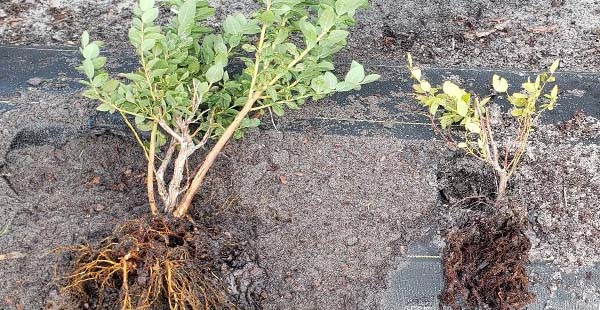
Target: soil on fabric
<point x="322" y="219"/>
<point x="464" y="33"/>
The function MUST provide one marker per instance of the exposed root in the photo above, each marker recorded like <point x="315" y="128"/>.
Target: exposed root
<point x="149" y="264"/>
<point x="485" y="266"/>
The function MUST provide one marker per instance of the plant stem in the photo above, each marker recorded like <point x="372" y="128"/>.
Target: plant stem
<point x="185" y="204"/>
<point x="253" y="96"/>
<point x="502" y="185"/>
<point x="150" y="176"/>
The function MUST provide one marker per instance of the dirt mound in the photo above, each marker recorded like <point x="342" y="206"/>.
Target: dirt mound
<point x="485" y="265"/>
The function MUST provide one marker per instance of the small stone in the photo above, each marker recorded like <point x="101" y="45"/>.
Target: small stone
<point x="3" y="13"/>
<point x="351" y="241"/>
<point x="99" y="207"/>
<point x="36" y="81"/>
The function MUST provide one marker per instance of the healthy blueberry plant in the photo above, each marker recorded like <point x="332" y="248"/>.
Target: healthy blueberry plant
<point x="187" y="92"/>
<point x="195" y="85"/>
<point x="449" y="105"/>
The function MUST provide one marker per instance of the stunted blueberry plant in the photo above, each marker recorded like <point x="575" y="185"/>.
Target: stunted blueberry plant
<point x="188" y="92"/>
<point x="486" y="256"/>
<point x="449" y="105"/>
<point x="194" y="85"/>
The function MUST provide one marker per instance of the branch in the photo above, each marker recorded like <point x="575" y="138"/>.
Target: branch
<point x="150" y="177"/>
<point x="170" y="131"/>
<point x="186" y="203"/>
<point x="160" y="173"/>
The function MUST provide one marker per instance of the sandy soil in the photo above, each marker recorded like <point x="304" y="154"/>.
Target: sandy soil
<point x="463" y="33"/>
<point x="325" y="216"/>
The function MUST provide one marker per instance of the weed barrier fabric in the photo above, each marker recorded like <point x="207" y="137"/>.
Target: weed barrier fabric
<point x="417" y="281"/>
<point x="416" y="284"/>
<point x="19" y="65"/>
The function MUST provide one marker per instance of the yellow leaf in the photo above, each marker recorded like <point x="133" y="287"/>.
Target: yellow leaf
<point x="425" y="86"/>
<point x="452" y="90"/>
<point x="554" y="92"/>
<point x="500" y="84"/>
<point x="416" y="73"/>
<point x="555" y="66"/>
<point x="473" y="127"/>
<point x="530" y="87"/>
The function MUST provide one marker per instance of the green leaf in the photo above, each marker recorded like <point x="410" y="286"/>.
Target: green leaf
<point x="327" y="18"/>
<point x="346" y="86"/>
<point x="104" y="108"/>
<point x="337" y="36"/>
<point x="110" y="86"/>
<point x="221" y="60"/>
<point x="150" y="15"/>
<point x="91" y="51"/>
<point x="516" y="112"/>
<point x="500" y="84"/>
<point x="371" y="78"/>
<point x="232" y="26"/>
<point x="85" y="39"/>
<point x="356" y="73"/>
<point x="99" y="62"/>
<point x="309" y="31"/>
<point x="250" y="123"/>
<point x="148" y="45"/>
<point x="88" y="68"/>
<point x="185" y="18"/>
<point x="278" y="109"/>
<point x="348" y="6"/>
<point x="133" y="77"/>
<point x="203" y="88"/>
<point x="433" y="108"/>
<point x="249" y="48"/>
<point x="267" y="18"/>
<point x="234" y="40"/>
<point x="331" y="80"/>
<point x="272" y="93"/>
<point x="146" y="5"/>
<point x="214" y="74"/>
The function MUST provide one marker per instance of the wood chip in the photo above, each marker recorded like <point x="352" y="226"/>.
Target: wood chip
<point x="500" y="25"/>
<point x="11" y="255"/>
<point x="544" y="29"/>
<point x="283" y="179"/>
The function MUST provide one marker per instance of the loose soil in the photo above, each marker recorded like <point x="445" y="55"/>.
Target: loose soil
<point x="321" y="219"/>
<point x="464" y="33"/>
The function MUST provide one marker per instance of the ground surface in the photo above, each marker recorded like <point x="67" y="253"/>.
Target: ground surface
<point x="464" y="33"/>
<point x="329" y="216"/>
